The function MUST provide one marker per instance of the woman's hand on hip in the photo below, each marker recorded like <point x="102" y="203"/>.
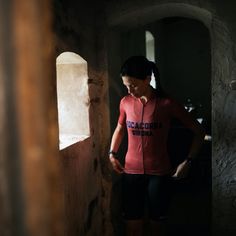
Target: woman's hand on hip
<point x="182" y="170"/>
<point x="117" y="167"/>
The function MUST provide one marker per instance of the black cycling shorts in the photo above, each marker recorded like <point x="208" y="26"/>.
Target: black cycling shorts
<point x="145" y="193"/>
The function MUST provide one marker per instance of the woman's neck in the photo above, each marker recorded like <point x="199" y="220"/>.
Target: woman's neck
<point x="148" y="95"/>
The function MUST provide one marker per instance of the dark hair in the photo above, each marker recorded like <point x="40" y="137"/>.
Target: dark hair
<point x="140" y="67"/>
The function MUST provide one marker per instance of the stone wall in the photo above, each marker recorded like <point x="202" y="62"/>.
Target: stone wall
<point x="86" y="171"/>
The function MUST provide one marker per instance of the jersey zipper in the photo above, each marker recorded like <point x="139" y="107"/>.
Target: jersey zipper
<point x="142" y="137"/>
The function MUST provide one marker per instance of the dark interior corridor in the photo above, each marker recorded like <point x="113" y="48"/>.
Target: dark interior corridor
<point x="182" y="53"/>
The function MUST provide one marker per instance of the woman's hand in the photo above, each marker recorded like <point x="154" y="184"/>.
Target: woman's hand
<point x="117" y="167"/>
<point x="182" y="170"/>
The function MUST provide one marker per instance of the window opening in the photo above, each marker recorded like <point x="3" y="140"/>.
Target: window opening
<point x="72" y="99"/>
<point x="150" y="52"/>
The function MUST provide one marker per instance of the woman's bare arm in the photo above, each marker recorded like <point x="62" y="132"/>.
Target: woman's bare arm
<point x="116" y="140"/>
<point x="198" y="139"/>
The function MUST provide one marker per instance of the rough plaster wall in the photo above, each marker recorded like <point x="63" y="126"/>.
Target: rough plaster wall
<point x="223" y="127"/>
<point x="219" y="19"/>
<point x="82" y="181"/>
<point x="86" y="173"/>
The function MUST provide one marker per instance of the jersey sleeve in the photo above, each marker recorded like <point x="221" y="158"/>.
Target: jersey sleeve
<point x="122" y="116"/>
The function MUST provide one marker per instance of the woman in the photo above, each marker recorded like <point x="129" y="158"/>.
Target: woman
<point x="146" y="114"/>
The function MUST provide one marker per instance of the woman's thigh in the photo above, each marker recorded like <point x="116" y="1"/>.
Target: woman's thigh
<point x="158" y="196"/>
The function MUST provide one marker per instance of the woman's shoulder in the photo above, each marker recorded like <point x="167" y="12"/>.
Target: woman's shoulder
<point x="167" y="100"/>
<point x="169" y="103"/>
<point x="126" y="99"/>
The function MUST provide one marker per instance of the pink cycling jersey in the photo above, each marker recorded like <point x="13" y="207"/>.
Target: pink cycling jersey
<point x="148" y="126"/>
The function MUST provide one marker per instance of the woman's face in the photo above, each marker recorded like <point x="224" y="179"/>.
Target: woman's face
<point x="136" y="87"/>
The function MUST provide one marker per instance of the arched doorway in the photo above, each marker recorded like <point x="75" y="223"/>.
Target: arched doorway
<point x="127" y="25"/>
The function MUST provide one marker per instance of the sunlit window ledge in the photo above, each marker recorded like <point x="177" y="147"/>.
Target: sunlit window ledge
<point x="67" y="140"/>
